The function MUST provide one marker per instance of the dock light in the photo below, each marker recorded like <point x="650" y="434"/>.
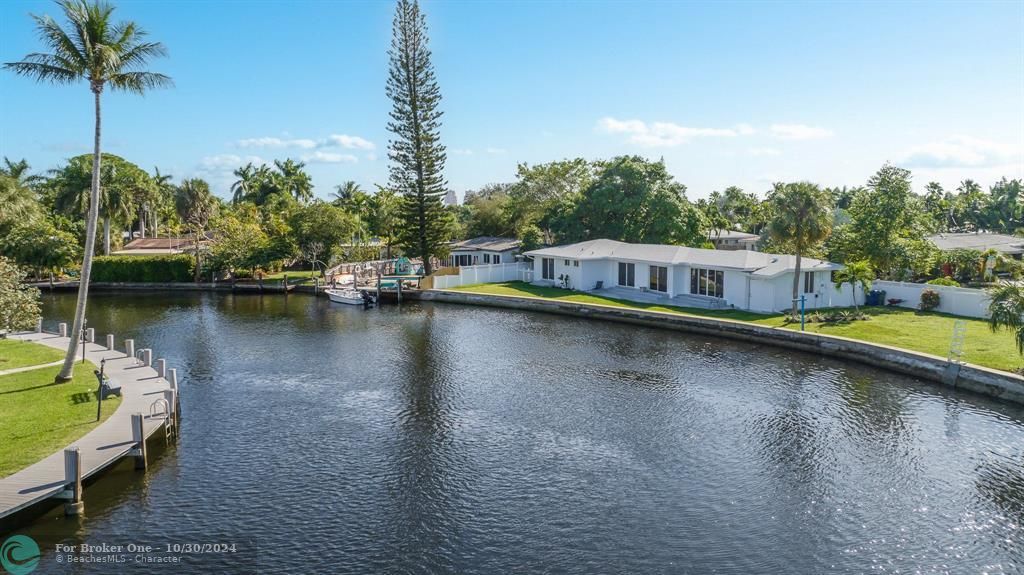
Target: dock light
<point x="99" y="390"/>
<point x="84" y="323"/>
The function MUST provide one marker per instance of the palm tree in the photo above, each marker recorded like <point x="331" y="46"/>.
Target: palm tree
<point x="294" y="180"/>
<point x="855" y="273"/>
<point x="801" y="219"/>
<point x="384" y="216"/>
<point x="20" y="172"/>
<point x="104" y="53"/>
<point x="344" y="192"/>
<point x="163" y="191"/>
<point x="1006" y="310"/>
<point x="241" y="189"/>
<point x="195" y="206"/>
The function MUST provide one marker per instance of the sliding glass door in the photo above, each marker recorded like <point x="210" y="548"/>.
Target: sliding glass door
<point x="627" y="274"/>
<point x="658" y="279"/>
<point x="707" y="282"/>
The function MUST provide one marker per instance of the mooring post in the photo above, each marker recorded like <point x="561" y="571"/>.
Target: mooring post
<point x="62" y="329"/>
<point x="110" y="341"/>
<point x="90" y="334"/>
<point x="399" y="284"/>
<point x="172" y="378"/>
<point x="139" y="438"/>
<point x="161" y="367"/>
<point x="73" y="481"/>
<point x="129" y="348"/>
<point x="39" y="325"/>
<point x="147" y="357"/>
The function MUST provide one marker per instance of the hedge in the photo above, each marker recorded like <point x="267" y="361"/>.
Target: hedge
<point x="143" y="269"/>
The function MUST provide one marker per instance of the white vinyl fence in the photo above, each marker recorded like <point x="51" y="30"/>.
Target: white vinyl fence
<point x="965" y="302"/>
<point x="493" y="273"/>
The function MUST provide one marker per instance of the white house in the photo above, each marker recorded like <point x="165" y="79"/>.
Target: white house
<point x="483" y="250"/>
<point x="690" y="277"/>
<point x="733" y="240"/>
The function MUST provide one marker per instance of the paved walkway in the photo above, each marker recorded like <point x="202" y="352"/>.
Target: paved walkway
<point x="30" y="367"/>
<point x="106" y="443"/>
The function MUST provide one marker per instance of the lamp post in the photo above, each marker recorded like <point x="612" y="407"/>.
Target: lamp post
<point x="84" y="323"/>
<point x="99" y="390"/>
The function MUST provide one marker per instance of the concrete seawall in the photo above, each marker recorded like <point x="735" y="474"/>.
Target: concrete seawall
<point x="990" y="382"/>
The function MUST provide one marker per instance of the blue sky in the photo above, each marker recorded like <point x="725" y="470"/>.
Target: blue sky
<point x="728" y="93"/>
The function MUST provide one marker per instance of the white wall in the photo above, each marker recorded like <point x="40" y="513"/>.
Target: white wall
<point x="952" y="300"/>
<point x="492" y="273"/>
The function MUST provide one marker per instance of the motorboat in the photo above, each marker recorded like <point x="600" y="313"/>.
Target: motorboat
<point x="349" y="296"/>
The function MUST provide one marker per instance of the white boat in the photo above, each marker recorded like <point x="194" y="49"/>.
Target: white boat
<point x="349" y="296"/>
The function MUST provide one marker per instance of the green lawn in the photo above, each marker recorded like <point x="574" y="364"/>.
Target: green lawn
<point x="898" y="327"/>
<point x="14" y="353"/>
<point x="294" y="277"/>
<point x="40" y="417"/>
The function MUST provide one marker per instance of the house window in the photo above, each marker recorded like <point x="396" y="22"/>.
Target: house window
<point x="575" y="263"/>
<point x="463" y="260"/>
<point x="476" y="259"/>
<point x="808" y="282"/>
<point x="659" y="278"/>
<point x="707" y="282"/>
<point x="547" y="268"/>
<point x="487" y="258"/>
<point x="566" y="262"/>
<point x="627" y="274"/>
<point x="496" y="259"/>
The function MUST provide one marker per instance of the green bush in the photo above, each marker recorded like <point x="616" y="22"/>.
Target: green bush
<point x="929" y="300"/>
<point x="946" y="281"/>
<point x="143" y="269"/>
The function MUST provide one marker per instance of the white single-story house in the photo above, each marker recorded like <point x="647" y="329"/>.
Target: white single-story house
<point x="483" y="250"/>
<point x="162" y="246"/>
<point x="689" y="277"/>
<point x="1011" y="246"/>
<point x="733" y="240"/>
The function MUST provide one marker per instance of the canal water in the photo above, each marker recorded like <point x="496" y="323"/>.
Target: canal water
<point x="434" y="438"/>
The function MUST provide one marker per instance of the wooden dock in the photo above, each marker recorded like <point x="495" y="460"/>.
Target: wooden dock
<point x="143" y="391"/>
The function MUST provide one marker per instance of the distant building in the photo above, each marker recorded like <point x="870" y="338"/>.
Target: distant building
<point x="450" y="199"/>
<point x="483" y="250"/>
<point x="1009" y="245"/>
<point x="733" y="240"/>
<point x="161" y="246"/>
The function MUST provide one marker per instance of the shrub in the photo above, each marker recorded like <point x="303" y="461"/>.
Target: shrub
<point x="929" y="300"/>
<point x="946" y="281"/>
<point x="143" y="269"/>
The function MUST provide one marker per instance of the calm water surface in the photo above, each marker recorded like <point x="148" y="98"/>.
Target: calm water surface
<point x="437" y="438"/>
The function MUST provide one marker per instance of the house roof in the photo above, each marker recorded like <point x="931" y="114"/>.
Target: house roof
<point x="158" y="244"/>
<point x="757" y="263"/>
<point x="732" y="235"/>
<point x="489" y="243"/>
<point x="979" y="241"/>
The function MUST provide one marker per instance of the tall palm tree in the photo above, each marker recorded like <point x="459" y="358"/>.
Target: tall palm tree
<point x="20" y="172"/>
<point x="163" y="191"/>
<point x="295" y="180"/>
<point x="801" y="219"/>
<point x="243" y="187"/>
<point x="195" y="206"/>
<point x="344" y="192"/>
<point x="1006" y="310"/>
<point x="104" y="53"/>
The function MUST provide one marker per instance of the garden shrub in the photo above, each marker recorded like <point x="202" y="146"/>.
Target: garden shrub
<point x="929" y="300"/>
<point x="946" y="281"/>
<point x="143" y="269"/>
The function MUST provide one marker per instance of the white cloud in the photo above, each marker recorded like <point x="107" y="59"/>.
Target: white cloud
<point x="662" y="134"/>
<point x="764" y="152"/>
<point x="319" y="157"/>
<point x="276" y="143"/>
<point x="371" y="157"/>
<point x="496" y="150"/>
<point x="962" y="152"/>
<point x="799" y="132"/>
<point x="350" y="142"/>
<point x="462" y="151"/>
<point x="229" y="162"/>
<point x="745" y="129"/>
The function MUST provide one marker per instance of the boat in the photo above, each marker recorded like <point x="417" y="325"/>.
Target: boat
<point x="349" y="296"/>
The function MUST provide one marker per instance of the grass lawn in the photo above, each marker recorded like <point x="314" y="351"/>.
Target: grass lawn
<point x="41" y="417"/>
<point x="15" y="353"/>
<point x="898" y="327"/>
<point x="294" y="277"/>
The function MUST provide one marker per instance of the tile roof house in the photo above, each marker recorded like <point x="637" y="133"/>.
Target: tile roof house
<point x="691" y="277"/>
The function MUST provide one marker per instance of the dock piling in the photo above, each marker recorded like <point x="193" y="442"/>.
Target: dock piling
<point x="110" y="341"/>
<point x="161" y="367"/>
<point x="90" y="334"/>
<point x="139" y="438"/>
<point x="147" y="357"/>
<point x="73" y="478"/>
<point x="62" y="329"/>
<point x="129" y="347"/>
<point x="39" y="325"/>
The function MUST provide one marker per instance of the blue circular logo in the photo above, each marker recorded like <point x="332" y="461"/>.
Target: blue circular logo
<point x="19" y="555"/>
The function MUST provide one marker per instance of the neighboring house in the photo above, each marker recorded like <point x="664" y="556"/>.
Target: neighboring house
<point x="1009" y="245"/>
<point x="690" y="277"/>
<point x="160" y="246"/>
<point x="733" y="240"/>
<point x="483" y="250"/>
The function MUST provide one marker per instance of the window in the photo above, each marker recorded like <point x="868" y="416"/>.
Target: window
<point x="487" y="258"/>
<point x="808" y="282"/>
<point x="707" y="282"/>
<point x="476" y="259"/>
<point x="496" y="259"/>
<point x="463" y="260"/>
<point x="547" y="268"/>
<point x="627" y="274"/>
<point x="659" y="278"/>
<point x="566" y="262"/>
<point x="575" y="263"/>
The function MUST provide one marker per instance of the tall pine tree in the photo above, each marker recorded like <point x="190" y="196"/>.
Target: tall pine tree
<point x="416" y="154"/>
